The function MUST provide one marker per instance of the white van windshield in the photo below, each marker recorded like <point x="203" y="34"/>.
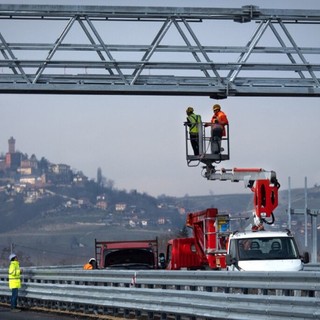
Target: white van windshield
<point x="272" y="248"/>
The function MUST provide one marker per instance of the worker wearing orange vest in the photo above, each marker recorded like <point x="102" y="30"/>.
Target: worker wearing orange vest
<point x="91" y="264"/>
<point x="219" y="116"/>
<point x="218" y="122"/>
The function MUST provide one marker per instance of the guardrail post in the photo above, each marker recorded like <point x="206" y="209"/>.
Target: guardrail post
<point x="115" y="311"/>
<point x="163" y="316"/>
<point x="137" y="313"/>
<point x="126" y="313"/>
<point x="245" y="290"/>
<point x="311" y="293"/>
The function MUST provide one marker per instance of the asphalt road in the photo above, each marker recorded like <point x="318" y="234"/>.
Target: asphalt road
<point x="6" y="314"/>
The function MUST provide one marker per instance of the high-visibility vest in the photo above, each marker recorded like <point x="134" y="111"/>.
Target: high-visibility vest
<point x="14" y="273"/>
<point x="88" y="266"/>
<point x="194" y="119"/>
<point x="223" y="120"/>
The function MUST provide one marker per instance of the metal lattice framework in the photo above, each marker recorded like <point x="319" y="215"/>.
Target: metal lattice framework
<point x="216" y="52"/>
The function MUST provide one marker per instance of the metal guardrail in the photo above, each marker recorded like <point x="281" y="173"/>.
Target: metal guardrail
<point x="178" y="294"/>
<point x="312" y="267"/>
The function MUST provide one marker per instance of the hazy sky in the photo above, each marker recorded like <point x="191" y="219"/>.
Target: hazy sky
<point x="138" y="141"/>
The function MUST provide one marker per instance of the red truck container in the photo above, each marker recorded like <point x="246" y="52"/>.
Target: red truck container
<point x="137" y="254"/>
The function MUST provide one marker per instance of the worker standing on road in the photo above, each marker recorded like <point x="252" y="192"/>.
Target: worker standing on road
<point x="91" y="264"/>
<point x="218" y="122"/>
<point x="14" y="273"/>
<point x="194" y="124"/>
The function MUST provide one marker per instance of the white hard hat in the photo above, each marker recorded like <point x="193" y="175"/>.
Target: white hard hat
<point x="12" y="255"/>
<point x="92" y="259"/>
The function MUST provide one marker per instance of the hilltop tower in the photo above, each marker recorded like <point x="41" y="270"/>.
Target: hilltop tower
<point x="13" y="158"/>
<point x="12" y="145"/>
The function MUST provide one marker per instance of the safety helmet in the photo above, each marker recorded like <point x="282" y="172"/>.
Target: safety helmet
<point x="92" y="259"/>
<point x="12" y="255"/>
<point x="189" y="110"/>
<point x="216" y="107"/>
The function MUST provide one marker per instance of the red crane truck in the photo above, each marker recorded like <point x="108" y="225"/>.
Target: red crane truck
<point x="214" y="246"/>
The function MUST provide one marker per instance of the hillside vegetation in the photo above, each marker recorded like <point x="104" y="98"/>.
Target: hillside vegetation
<point x="49" y="232"/>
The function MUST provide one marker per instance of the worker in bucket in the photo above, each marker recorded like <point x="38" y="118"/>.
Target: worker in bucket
<point x="91" y="264"/>
<point x="194" y="124"/>
<point x="218" y="122"/>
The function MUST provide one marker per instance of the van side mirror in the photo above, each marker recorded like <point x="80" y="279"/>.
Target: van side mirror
<point x="229" y="260"/>
<point x="305" y="257"/>
<point x="162" y="261"/>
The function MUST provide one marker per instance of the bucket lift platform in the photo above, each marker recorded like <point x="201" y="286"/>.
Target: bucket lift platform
<point x="209" y="151"/>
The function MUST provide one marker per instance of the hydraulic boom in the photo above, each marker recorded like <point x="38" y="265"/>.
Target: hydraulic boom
<point x="263" y="184"/>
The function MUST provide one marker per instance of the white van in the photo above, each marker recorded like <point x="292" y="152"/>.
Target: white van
<point x="264" y="251"/>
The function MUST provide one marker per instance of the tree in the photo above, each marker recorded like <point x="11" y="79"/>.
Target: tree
<point x="44" y="164"/>
<point x="99" y="177"/>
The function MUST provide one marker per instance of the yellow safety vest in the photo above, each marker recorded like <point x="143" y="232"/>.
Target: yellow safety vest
<point x="194" y="119"/>
<point x="14" y="275"/>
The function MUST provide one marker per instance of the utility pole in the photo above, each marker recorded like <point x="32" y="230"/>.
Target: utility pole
<point x="313" y="213"/>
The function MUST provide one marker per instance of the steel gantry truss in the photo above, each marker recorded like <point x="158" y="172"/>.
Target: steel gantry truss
<point x="216" y="52"/>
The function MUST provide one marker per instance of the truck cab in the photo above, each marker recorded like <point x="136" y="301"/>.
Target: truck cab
<point x="182" y="254"/>
<point x="263" y="251"/>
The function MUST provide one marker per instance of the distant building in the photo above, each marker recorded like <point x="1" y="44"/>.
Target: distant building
<point x="13" y="160"/>
<point x="84" y="202"/>
<point x="102" y="204"/>
<point x="60" y="173"/>
<point x="29" y="179"/>
<point x="161" y="221"/>
<point x="79" y="179"/>
<point x="21" y="169"/>
<point x="144" y="223"/>
<point x="31" y="163"/>
<point x="120" y="207"/>
<point x="25" y="171"/>
<point x="2" y="164"/>
<point x="59" y="168"/>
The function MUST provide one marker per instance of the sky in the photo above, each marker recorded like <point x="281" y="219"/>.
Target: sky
<point x="138" y="141"/>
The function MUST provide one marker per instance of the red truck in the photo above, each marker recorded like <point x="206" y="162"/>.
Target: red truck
<point x="137" y="254"/>
<point x="207" y="248"/>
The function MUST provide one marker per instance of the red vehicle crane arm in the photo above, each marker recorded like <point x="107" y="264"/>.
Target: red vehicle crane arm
<point x="262" y="183"/>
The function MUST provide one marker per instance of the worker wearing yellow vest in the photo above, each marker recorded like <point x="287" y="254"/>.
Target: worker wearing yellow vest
<point x="193" y="122"/>
<point x="14" y="273"/>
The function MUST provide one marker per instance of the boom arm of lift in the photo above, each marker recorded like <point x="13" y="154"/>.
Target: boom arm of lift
<point x="263" y="184"/>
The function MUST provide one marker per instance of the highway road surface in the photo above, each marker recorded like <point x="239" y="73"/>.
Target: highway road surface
<point x="6" y="314"/>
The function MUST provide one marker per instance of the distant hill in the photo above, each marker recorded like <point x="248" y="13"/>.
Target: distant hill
<point x="48" y="232"/>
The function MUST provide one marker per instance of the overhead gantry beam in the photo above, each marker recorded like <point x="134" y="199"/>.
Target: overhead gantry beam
<point x="159" y="50"/>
